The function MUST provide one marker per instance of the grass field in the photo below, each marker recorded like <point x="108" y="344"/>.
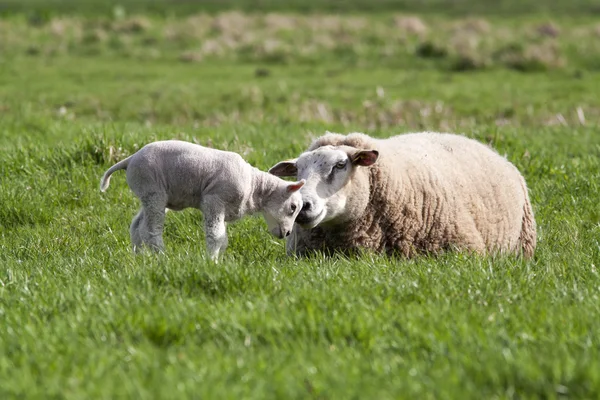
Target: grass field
<point x="41" y="9"/>
<point x="82" y="317"/>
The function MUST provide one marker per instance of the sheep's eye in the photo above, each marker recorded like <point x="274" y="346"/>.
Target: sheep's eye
<point x="340" y="164"/>
<point x="293" y="208"/>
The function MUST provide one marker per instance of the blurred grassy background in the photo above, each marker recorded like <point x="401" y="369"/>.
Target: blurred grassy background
<point x="183" y="7"/>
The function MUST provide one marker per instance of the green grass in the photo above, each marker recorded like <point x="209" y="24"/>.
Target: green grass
<point x="41" y="9"/>
<point x="82" y="317"/>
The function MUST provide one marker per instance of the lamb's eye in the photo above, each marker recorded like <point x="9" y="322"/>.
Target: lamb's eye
<point x="340" y="164"/>
<point x="293" y="208"/>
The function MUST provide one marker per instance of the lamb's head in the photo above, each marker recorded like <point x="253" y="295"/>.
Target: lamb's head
<point x="282" y="207"/>
<point x="332" y="182"/>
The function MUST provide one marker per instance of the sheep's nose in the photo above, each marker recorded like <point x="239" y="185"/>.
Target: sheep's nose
<point x="306" y="206"/>
<point x="287" y="233"/>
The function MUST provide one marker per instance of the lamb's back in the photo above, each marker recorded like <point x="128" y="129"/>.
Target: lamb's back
<point x="187" y="172"/>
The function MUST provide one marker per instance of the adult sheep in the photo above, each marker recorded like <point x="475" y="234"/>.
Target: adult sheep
<point x="413" y="193"/>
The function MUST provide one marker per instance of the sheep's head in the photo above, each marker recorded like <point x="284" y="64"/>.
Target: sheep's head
<point x="282" y="207"/>
<point x="329" y="172"/>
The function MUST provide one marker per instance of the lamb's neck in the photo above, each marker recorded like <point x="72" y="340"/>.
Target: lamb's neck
<point x="261" y="188"/>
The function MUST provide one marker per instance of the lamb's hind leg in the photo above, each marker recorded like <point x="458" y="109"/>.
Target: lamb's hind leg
<point x="152" y="224"/>
<point x="134" y="231"/>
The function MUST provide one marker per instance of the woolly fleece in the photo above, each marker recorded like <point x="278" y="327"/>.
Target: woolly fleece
<point x="428" y="192"/>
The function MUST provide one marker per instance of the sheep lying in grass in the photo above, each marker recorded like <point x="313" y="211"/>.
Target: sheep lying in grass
<point x="413" y="193"/>
<point x="176" y="175"/>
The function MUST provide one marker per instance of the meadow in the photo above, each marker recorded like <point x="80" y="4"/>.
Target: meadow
<point x="84" y="84"/>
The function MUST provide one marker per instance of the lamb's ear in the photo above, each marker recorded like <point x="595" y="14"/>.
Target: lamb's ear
<point x="284" y="168"/>
<point x="294" y="187"/>
<point x="364" y="158"/>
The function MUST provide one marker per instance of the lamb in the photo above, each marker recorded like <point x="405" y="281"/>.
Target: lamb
<point x="175" y="175"/>
<point x="409" y="194"/>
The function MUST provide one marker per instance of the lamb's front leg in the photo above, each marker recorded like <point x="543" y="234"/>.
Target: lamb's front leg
<point x="216" y="232"/>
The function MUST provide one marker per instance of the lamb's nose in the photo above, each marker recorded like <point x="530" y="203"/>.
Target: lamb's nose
<point x="287" y="233"/>
<point x="306" y="206"/>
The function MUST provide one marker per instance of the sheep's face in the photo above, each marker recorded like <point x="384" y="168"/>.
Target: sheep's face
<point x="282" y="208"/>
<point x="327" y="171"/>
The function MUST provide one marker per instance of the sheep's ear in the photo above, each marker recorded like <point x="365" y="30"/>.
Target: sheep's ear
<point x="284" y="168"/>
<point x="294" y="187"/>
<point x="365" y="158"/>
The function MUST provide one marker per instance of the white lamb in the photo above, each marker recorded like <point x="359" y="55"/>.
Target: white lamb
<point x="412" y="193"/>
<point x="175" y="175"/>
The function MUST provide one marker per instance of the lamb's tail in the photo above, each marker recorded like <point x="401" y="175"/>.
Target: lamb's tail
<point x="106" y="178"/>
<point x="528" y="236"/>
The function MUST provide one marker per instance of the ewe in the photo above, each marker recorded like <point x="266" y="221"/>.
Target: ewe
<point x="413" y="193"/>
<point x="176" y="175"/>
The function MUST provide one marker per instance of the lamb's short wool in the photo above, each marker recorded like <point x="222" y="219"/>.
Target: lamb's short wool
<point x="413" y="193"/>
<point x="175" y="175"/>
